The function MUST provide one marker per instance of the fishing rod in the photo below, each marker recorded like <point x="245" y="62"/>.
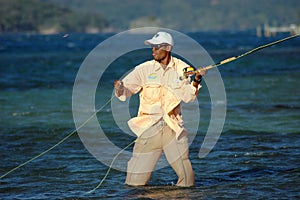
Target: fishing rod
<point x="189" y="71"/>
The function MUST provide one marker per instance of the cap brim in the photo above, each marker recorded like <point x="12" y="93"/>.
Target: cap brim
<point x="152" y="41"/>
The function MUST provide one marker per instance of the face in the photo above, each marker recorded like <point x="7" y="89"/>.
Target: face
<point x="160" y="51"/>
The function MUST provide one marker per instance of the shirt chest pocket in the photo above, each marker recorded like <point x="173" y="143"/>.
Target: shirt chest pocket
<point x="176" y="84"/>
<point x="151" y="93"/>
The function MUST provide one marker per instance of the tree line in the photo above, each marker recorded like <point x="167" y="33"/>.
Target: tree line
<point x="190" y="15"/>
<point x="36" y="16"/>
<point x="52" y="16"/>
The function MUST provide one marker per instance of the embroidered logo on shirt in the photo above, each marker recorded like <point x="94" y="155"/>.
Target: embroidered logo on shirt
<point x="152" y="76"/>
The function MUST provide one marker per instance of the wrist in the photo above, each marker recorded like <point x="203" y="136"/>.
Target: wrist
<point x="119" y="85"/>
<point x="198" y="79"/>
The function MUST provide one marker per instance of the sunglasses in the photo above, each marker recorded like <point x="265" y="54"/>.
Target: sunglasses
<point x="158" y="46"/>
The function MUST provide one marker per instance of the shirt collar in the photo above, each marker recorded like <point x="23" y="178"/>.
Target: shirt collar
<point x="157" y="66"/>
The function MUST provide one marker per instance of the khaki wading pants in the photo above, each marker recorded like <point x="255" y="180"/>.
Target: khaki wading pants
<point x="148" y="149"/>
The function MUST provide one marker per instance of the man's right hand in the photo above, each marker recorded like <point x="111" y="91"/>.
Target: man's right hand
<point x="119" y="87"/>
<point x="118" y="84"/>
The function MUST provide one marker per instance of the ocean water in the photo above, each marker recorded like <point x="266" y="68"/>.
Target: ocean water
<point x="256" y="156"/>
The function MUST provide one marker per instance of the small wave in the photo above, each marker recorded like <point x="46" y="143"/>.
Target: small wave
<point x="263" y="107"/>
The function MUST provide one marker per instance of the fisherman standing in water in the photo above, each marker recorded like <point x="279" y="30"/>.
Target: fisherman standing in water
<point x="159" y="124"/>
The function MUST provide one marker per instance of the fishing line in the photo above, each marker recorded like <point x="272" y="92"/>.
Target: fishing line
<point x="110" y="166"/>
<point x="61" y="141"/>
<point x="207" y="67"/>
<point x="84" y="123"/>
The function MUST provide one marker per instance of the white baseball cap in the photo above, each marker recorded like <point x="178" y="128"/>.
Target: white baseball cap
<point x="160" y="38"/>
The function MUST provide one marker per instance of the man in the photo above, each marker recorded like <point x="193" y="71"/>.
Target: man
<point x="159" y="125"/>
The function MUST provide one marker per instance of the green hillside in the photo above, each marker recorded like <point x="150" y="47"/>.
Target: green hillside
<point x="190" y="14"/>
<point x="42" y="17"/>
<point x="52" y="16"/>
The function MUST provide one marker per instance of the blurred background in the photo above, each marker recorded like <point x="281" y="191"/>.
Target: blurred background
<point x="94" y="16"/>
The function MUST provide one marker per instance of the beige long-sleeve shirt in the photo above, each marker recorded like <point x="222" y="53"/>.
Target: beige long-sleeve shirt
<point x="161" y="91"/>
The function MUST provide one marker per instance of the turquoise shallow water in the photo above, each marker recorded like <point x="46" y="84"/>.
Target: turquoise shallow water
<point x="256" y="157"/>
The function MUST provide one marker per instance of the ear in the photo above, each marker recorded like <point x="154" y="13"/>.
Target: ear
<point x="168" y="48"/>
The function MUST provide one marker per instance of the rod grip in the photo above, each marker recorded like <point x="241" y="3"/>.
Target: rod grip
<point x="228" y="60"/>
<point x="208" y="67"/>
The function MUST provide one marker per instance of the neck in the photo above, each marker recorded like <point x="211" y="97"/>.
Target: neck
<point x="164" y="62"/>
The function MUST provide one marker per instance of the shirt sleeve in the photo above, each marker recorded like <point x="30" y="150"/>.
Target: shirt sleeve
<point x="131" y="85"/>
<point x="187" y="92"/>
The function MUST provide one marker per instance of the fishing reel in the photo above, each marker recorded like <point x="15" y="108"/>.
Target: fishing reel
<point x="191" y="71"/>
<point x="188" y="72"/>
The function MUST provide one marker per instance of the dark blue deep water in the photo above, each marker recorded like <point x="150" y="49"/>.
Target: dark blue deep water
<point x="256" y="157"/>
